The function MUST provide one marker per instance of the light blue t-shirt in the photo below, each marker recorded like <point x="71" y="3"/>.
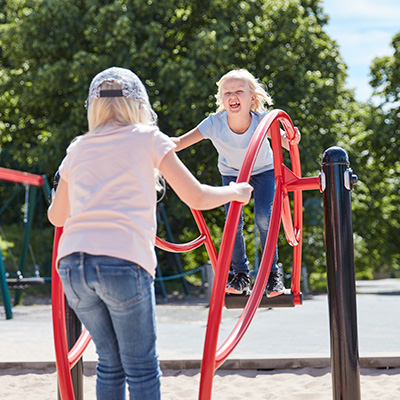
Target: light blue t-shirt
<point x="232" y="147"/>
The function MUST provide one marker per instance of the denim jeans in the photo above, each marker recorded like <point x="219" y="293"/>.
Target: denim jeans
<point x="115" y="301"/>
<point x="263" y="193"/>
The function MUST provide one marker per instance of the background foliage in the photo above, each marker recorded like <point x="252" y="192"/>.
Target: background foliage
<point x="51" y="49"/>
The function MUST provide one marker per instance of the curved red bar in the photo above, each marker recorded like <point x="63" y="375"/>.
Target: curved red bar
<point x="258" y="289"/>
<point x="64" y="360"/>
<point x="12" y="175"/>
<point x="59" y="327"/>
<point x="180" y="248"/>
<point x="198" y="216"/>
<point x="79" y="347"/>
<point x="212" y="358"/>
<point x="204" y="238"/>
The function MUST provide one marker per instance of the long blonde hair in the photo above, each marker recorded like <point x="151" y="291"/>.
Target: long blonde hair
<point x="257" y="88"/>
<point x="120" y="111"/>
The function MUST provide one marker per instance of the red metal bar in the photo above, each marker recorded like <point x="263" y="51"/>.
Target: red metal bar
<point x="298" y="224"/>
<point x="212" y="358"/>
<point x="212" y="253"/>
<point x="217" y="300"/>
<point x="79" y="347"/>
<point x="180" y="248"/>
<point x="310" y="183"/>
<point x="59" y="327"/>
<point x="258" y="289"/>
<point x="204" y="238"/>
<point x="65" y="360"/>
<point x="11" y="175"/>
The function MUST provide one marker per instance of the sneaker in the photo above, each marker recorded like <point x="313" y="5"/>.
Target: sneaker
<point x="275" y="285"/>
<point x="239" y="284"/>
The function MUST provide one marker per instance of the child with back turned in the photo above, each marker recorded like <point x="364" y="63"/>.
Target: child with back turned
<point x="241" y="100"/>
<point x="106" y="202"/>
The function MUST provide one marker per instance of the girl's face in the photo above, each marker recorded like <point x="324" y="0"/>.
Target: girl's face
<point x="236" y="96"/>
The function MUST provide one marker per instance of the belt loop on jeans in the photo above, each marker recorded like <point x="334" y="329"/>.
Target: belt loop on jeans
<point x="81" y="258"/>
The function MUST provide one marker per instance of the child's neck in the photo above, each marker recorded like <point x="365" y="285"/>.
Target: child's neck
<point x="239" y="124"/>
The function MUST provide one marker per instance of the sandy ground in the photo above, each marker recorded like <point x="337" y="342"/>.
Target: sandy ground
<point x="28" y="338"/>
<point x="298" y="384"/>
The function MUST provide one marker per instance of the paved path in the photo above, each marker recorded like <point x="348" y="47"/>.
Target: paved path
<point x="296" y="333"/>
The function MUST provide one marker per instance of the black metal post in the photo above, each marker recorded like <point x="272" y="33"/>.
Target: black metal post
<point x="337" y="181"/>
<point x="74" y="329"/>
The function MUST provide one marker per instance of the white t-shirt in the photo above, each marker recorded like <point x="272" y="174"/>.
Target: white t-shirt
<point x="232" y="147"/>
<point x="111" y="188"/>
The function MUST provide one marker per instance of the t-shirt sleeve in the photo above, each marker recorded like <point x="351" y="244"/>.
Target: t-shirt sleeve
<point x="63" y="169"/>
<point x="64" y="166"/>
<point x="162" y="145"/>
<point x="206" y="127"/>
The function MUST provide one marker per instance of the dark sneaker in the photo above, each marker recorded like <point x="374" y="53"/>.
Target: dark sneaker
<point x="275" y="285"/>
<point x="239" y="284"/>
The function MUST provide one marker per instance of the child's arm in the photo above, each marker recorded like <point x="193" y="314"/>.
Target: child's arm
<point x="284" y="139"/>
<point x="186" y="140"/>
<point x="196" y="195"/>
<point x="58" y="211"/>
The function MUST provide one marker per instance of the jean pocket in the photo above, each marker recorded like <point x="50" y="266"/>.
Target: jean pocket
<point x="70" y="294"/>
<point x="120" y="284"/>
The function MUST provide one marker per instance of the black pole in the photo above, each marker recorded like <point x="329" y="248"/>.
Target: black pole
<point x="337" y="181"/>
<point x="74" y="330"/>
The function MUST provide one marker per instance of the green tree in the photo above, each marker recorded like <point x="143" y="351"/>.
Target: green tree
<point x="51" y="49"/>
<point x="378" y="197"/>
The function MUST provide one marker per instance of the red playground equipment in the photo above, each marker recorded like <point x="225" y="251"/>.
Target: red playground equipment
<point x="25" y="178"/>
<point x="286" y="181"/>
<point x="31" y="183"/>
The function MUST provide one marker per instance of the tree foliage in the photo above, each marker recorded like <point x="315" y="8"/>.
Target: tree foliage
<point x="51" y="49"/>
<point x="378" y="198"/>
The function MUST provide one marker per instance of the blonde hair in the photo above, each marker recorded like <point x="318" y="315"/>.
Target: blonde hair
<point x="120" y="111"/>
<point x="257" y="88"/>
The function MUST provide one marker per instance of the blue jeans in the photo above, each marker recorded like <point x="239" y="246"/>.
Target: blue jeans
<point x="115" y="301"/>
<point x="263" y="193"/>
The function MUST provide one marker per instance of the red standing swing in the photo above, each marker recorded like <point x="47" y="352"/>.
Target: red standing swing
<point x="286" y="181"/>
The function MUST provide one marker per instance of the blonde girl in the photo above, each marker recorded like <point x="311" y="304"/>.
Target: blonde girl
<point x="106" y="202"/>
<point x="242" y="101"/>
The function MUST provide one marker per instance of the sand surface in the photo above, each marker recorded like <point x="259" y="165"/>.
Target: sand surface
<point x="28" y="337"/>
<point x="296" y="384"/>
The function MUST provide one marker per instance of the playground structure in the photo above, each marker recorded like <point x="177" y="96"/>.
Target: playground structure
<point x="335" y="181"/>
<point x="31" y="182"/>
